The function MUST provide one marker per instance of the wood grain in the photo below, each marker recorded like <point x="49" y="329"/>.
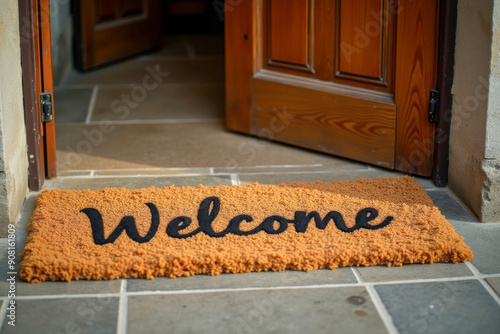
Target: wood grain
<point x="377" y="114"/>
<point x="416" y="72"/>
<point x="324" y="40"/>
<point x="240" y="35"/>
<point x="47" y="87"/>
<point x="361" y="30"/>
<point x="289" y="30"/>
<point x="337" y="124"/>
<point x="31" y="66"/>
<point x="127" y="30"/>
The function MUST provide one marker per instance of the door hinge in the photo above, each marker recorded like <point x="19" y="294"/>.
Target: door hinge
<point x="433" y="106"/>
<point x="46" y="103"/>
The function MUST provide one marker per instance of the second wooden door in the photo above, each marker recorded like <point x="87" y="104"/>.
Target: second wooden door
<point x="108" y="30"/>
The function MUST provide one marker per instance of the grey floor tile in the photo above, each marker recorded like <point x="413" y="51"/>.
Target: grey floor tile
<point x="67" y="288"/>
<point x="172" y="102"/>
<point x="414" y="271"/>
<point x="313" y="177"/>
<point x="153" y="172"/>
<point x="449" y="207"/>
<point x="445" y="307"/>
<point x="203" y="144"/>
<point x="495" y="283"/>
<point x="71" y="104"/>
<point x="207" y="45"/>
<point x="137" y="70"/>
<point x="336" y="164"/>
<point x="74" y="173"/>
<point x="338" y="310"/>
<point x="97" y="183"/>
<point x="244" y="280"/>
<point x="483" y="241"/>
<point x="173" y="45"/>
<point x="79" y="315"/>
<point x="46" y="288"/>
<point x="20" y="241"/>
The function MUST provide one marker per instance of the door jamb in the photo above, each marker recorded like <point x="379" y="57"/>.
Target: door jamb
<point x="446" y="63"/>
<point x="447" y="32"/>
<point x="36" y="158"/>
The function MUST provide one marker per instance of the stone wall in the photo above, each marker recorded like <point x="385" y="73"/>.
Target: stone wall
<point x="475" y="130"/>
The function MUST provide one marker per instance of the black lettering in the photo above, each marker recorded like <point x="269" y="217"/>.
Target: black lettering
<point x="268" y="224"/>
<point x="234" y="225"/>
<point x="207" y="216"/>
<point x="207" y="213"/>
<point x="302" y="220"/>
<point x="127" y="223"/>
<point x="368" y="214"/>
<point x="364" y="216"/>
<point x="178" y="224"/>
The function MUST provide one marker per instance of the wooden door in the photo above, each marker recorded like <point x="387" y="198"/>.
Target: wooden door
<point x="351" y="78"/>
<point x="109" y="30"/>
<point x="34" y="27"/>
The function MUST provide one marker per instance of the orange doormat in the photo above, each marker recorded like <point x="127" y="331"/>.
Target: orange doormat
<point x="185" y="231"/>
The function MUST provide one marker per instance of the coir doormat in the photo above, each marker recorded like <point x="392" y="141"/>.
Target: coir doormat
<point x="185" y="231"/>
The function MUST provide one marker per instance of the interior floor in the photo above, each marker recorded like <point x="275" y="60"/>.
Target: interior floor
<point x="157" y="111"/>
<point x="174" y="134"/>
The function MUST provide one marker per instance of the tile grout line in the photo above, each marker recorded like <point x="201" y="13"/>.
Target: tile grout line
<point x="332" y="171"/>
<point x="284" y="287"/>
<point x="121" y="326"/>
<point x="382" y="310"/>
<point x="148" y="122"/>
<point x="93" y="99"/>
<point x="482" y="280"/>
<point x="235" y="180"/>
<point x="3" y="311"/>
<point x="128" y="85"/>
<point x="177" y="58"/>
<point x="377" y="302"/>
<point x="358" y="276"/>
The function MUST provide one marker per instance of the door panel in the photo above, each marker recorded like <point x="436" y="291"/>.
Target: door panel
<point x="288" y="44"/>
<point x="360" y="129"/>
<point x="350" y="74"/>
<point x="362" y="46"/>
<point x="111" y="30"/>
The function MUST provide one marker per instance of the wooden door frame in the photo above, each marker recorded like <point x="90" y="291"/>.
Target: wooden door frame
<point x="36" y="158"/>
<point x="446" y="64"/>
<point x="242" y="36"/>
<point x="41" y="152"/>
<point x="446" y="60"/>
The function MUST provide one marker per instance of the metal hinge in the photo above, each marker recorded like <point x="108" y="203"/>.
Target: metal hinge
<point x="433" y="106"/>
<point x="46" y="103"/>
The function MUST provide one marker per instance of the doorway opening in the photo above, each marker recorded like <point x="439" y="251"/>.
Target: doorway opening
<point x="163" y="109"/>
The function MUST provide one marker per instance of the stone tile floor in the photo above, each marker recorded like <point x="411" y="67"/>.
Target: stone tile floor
<point x="175" y="135"/>
<point x="430" y="298"/>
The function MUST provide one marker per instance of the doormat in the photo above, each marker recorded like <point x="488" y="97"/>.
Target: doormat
<point x="183" y="231"/>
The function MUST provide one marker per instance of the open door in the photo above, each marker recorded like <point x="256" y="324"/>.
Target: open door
<point x="34" y="18"/>
<point x="110" y="30"/>
<point x="349" y="78"/>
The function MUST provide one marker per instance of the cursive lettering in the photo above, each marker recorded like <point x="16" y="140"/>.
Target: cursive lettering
<point x="209" y="210"/>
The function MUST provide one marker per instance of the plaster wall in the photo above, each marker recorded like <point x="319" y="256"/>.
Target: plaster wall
<point x="13" y="153"/>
